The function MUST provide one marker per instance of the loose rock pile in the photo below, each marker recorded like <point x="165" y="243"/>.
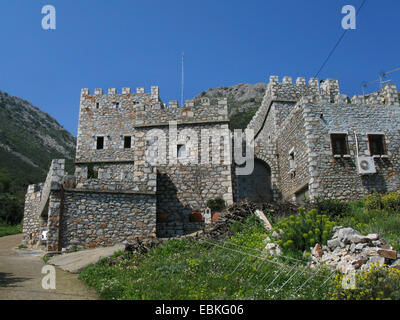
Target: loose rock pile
<point x="348" y="251"/>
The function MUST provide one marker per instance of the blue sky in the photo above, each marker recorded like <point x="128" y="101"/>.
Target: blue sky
<point x="126" y="43"/>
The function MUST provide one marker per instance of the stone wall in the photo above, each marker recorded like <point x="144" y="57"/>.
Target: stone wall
<point x="101" y="116"/>
<point x="31" y="225"/>
<point x="301" y="117"/>
<point x="91" y="219"/>
<point x="291" y="139"/>
<point x="185" y="185"/>
<point x="338" y="176"/>
<point x="39" y="206"/>
<point x="115" y="176"/>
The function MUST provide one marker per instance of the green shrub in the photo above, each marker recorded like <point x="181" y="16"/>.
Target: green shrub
<point x="391" y="201"/>
<point x="333" y="208"/>
<point x="217" y="204"/>
<point x="378" y="201"/>
<point x="376" y="283"/>
<point x="303" y="231"/>
<point x="11" y="209"/>
<point x="373" y="201"/>
<point x="7" y="230"/>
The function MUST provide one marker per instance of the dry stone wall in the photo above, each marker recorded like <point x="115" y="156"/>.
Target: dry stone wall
<point x="103" y="219"/>
<point x="31" y="225"/>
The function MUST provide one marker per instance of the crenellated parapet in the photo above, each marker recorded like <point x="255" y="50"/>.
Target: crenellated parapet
<point x="289" y="91"/>
<point x="388" y="96"/>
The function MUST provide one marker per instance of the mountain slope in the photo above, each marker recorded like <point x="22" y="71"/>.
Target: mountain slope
<point x="243" y="101"/>
<point x="29" y="140"/>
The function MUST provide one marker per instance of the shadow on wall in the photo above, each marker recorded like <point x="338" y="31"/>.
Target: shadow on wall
<point x="257" y="186"/>
<point x="173" y="217"/>
<point x="374" y="183"/>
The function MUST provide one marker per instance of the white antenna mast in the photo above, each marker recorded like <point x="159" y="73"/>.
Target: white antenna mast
<point x="183" y="76"/>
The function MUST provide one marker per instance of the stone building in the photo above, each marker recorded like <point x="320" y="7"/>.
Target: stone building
<point x="117" y="192"/>
<point x="143" y="168"/>
<point x="311" y="141"/>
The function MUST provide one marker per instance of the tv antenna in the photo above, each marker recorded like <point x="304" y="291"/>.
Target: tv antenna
<point x="382" y="75"/>
<point x="382" y="79"/>
<point x="183" y="77"/>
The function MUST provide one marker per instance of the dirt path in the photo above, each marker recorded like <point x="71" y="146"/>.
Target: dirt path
<point x="21" y="277"/>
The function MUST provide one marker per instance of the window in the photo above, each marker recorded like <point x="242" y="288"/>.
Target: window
<point x="116" y="105"/>
<point x="127" y="142"/>
<point x="292" y="164"/>
<point x="377" y="146"/>
<point x="100" y="143"/>
<point x="97" y="105"/>
<point x="339" y="144"/>
<point x="181" y="151"/>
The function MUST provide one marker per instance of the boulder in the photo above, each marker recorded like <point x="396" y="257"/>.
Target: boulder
<point x="358" y="239"/>
<point x="333" y="243"/>
<point x="346" y="235"/>
<point x="396" y="264"/>
<point x="389" y="254"/>
<point x="317" y="251"/>
<point x="372" y="236"/>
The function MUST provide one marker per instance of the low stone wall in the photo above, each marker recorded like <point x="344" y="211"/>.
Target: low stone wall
<point x="91" y="219"/>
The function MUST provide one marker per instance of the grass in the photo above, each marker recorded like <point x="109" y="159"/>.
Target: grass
<point x="236" y="268"/>
<point x="383" y="222"/>
<point x="7" y="230"/>
<point x="195" y="269"/>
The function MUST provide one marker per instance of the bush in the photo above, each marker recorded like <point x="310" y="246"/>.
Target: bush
<point x="303" y="231"/>
<point x="333" y="208"/>
<point x="217" y="204"/>
<point x="7" y="230"/>
<point x="373" y="201"/>
<point x="376" y="283"/>
<point x="389" y="201"/>
<point x="11" y="209"/>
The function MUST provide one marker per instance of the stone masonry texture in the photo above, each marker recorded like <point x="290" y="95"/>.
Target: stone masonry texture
<point x="142" y="167"/>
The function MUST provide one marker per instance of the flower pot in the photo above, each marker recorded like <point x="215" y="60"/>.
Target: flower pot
<point x="196" y="216"/>
<point x="215" y="217"/>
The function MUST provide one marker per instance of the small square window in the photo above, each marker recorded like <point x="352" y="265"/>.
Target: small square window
<point x="127" y="142"/>
<point x="339" y="144"/>
<point x="100" y="143"/>
<point x="377" y="146"/>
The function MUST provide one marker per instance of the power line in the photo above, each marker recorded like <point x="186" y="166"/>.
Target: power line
<point x="338" y="42"/>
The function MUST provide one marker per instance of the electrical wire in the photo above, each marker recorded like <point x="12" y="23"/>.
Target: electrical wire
<point x="338" y="42"/>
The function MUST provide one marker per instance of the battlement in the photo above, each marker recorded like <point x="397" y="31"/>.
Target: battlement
<point x="154" y="92"/>
<point x="289" y="91"/>
<point x="388" y="96"/>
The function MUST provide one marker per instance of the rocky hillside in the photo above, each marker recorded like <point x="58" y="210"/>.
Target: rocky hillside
<point x="243" y="101"/>
<point x="29" y="140"/>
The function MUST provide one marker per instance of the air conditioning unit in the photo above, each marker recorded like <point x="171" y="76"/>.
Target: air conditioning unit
<point x="366" y="165"/>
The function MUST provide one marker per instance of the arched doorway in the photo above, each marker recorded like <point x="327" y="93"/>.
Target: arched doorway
<point x="256" y="187"/>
